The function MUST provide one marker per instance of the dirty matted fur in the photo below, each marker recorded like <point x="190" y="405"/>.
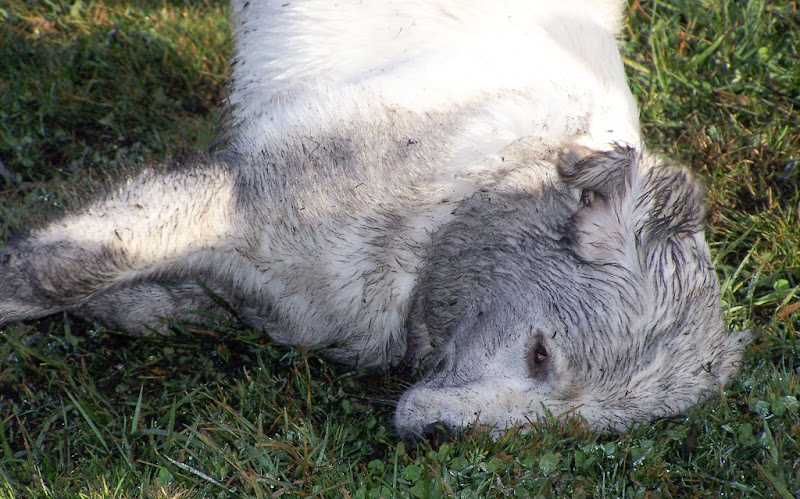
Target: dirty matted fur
<point x="459" y="184"/>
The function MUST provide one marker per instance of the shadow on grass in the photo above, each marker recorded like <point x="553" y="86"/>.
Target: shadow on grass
<point x="87" y="84"/>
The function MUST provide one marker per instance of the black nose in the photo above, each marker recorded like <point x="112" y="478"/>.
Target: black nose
<point x="437" y="433"/>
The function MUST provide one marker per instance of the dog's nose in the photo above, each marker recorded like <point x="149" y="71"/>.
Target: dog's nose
<point x="437" y="433"/>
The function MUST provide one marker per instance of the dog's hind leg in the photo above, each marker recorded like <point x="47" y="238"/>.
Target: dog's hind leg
<point x="165" y="223"/>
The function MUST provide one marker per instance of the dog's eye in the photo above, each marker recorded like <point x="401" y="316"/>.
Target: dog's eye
<point x="538" y="364"/>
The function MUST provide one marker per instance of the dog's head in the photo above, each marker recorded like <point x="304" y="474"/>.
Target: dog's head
<point x="593" y="294"/>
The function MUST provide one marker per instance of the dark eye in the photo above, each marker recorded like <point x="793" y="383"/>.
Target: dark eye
<point x="538" y="365"/>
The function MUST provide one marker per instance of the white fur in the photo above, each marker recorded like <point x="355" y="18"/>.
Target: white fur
<point x="427" y="56"/>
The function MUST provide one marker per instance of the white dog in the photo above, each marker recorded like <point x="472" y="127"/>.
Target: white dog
<point x="457" y="184"/>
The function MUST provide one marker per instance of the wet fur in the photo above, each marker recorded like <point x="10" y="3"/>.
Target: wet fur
<point x="457" y="184"/>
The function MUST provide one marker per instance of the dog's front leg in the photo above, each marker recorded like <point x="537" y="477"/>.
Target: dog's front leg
<point x="166" y="222"/>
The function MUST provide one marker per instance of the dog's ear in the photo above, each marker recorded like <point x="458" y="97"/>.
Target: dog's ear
<point x="632" y="203"/>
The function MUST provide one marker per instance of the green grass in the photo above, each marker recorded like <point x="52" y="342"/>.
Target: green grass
<point x="87" y="412"/>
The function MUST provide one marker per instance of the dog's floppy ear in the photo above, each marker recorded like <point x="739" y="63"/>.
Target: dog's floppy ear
<point x="632" y="202"/>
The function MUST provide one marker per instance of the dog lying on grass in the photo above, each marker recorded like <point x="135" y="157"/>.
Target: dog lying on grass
<point x="457" y="184"/>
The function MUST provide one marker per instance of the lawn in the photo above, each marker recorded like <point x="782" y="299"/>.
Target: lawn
<point x="90" y="87"/>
